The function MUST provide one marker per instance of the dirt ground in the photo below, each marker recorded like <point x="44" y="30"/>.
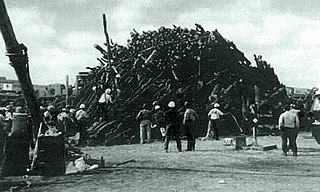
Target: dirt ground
<point x="212" y="167"/>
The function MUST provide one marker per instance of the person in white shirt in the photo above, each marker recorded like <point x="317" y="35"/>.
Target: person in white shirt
<point x="82" y="117"/>
<point x="289" y="125"/>
<point x="104" y="102"/>
<point x="214" y="117"/>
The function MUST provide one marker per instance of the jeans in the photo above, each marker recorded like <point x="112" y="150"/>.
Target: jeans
<point x="291" y="135"/>
<point x="191" y="138"/>
<point x="172" y="131"/>
<point x="145" y="131"/>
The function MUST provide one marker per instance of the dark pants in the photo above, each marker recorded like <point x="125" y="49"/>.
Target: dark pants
<point x="171" y="130"/>
<point x="83" y="133"/>
<point x="215" y="128"/>
<point x="191" y="138"/>
<point x="291" y="135"/>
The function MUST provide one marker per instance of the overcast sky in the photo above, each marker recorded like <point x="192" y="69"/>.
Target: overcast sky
<point x="60" y="34"/>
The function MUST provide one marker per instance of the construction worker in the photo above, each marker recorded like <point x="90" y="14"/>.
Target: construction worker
<point x="289" y="126"/>
<point x="214" y="119"/>
<point x="82" y="116"/>
<point x="190" y="116"/>
<point x="172" y="126"/>
<point x="159" y="120"/>
<point x="144" y="117"/>
<point x="104" y="102"/>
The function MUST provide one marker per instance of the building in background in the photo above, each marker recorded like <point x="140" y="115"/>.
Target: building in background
<point x="10" y="90"/>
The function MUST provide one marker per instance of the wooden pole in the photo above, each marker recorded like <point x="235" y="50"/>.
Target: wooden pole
<point x="67" y="90"/>
<point x="18" y="57"/>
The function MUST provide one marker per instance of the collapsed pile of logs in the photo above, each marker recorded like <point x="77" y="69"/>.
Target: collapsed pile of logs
<point x="174" y="64"/>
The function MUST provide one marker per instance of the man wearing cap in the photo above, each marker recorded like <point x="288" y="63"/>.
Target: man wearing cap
<point x="214" y="118"/>
<point x="82" y="116"/>
<point x="289" y="125"/>
<point x="144" y="117"/>
<point x="172" y="126"/>
<point x="190" y="116"/>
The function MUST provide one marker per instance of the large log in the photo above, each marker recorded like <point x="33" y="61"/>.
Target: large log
<point x="18" y="57"/>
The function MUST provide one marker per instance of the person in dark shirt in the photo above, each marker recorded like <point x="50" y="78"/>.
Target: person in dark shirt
<point x="190" y="116"/>
<point x="159" y="120"/>
<point x="172" y="126"/>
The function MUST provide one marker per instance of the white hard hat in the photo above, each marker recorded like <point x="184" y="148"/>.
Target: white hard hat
<point x="216" y="105"/>
<point x="82" y="106"/>
<point x="156" y="107"/>
<point x="50" y="107"/>
<point x="46" y="114"/>
<point x="108" y="91"/>
<point x="171" y="104"/>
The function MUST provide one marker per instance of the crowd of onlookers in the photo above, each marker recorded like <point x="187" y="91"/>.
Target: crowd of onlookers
<point x="68" y="121"/>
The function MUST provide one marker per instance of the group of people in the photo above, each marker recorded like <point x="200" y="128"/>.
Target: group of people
<point x="67" y="121"/>
<point x="169" y="123"/>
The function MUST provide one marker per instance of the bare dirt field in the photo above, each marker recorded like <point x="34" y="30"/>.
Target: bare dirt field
<point x="212" y="167"/>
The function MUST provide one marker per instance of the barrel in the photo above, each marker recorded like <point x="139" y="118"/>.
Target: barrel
<point x="51" y="156"/>
<point x="20" y="124"/>
<point x="16" y="156"/>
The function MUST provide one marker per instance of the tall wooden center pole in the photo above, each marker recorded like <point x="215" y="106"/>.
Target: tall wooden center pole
<point x="18" y="57"/>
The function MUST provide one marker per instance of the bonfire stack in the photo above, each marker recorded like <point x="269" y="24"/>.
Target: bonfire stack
<point x="173" y="64"/>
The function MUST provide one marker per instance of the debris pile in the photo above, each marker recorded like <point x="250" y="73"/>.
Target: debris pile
<point x="177" y="64"/>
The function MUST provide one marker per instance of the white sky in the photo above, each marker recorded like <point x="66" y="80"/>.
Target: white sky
<point x="60" y="34"/>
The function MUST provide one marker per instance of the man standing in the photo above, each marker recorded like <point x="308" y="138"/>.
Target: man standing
<point x="159" y="120"/>
<point x="190" y="116"/>
<point x="82" y="116"/>
<point x="289" y="125"/>
<point x="214" y="118"/>
<point x="172" y="126"/>
<point x="144" y="116"/>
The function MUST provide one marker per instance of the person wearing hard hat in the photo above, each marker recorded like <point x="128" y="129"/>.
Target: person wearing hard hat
<point x="144" y="117"/>
<point x="214" y="118"/>
<point x="172" y="126"/>
<point x="81" y="117"/>
<point x="104" y="102"/>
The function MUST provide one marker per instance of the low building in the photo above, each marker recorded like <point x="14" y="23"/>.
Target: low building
<point x="10" y="90"/>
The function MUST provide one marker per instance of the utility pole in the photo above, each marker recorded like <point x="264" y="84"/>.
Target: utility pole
<point x="67" y="90"/>
<point x="18" y="57"/>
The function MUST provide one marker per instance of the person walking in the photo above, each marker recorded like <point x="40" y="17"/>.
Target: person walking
<point x="144" y="117"/>
<point x="289" y="125"/>
<point x="172" y="126"/>
<point x="214" y="118"/>
<point x="189" y="118"/>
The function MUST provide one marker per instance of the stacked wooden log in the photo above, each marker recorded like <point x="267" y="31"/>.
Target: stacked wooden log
<point x="173" y="64"/>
